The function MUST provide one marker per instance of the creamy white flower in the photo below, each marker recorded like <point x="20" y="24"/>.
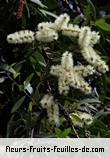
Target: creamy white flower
<point x="88" y="37"/>
<point x="71" y="31"/>
<point x="45" y="25"/>
<point x="87" y="118"/>
<point x="20" y="37"/>
<point x="58" y="25"/>
<point x="102" y="67"/>
<point x="61" y="22"/>
<point x="67" y="61"/>
<point x="77" y="81"/>
<point x="84" y="118"/>
<point x="95" y="38"/>
<point x="47" y="35"/>
<point x="52" y="108"/>
<point x="94" y="59"/>
<point x="85" y="36"/>
<point x="47" y="101"/>
<point x="48" y="32"/>
<point x="68" y="76"/>
<point x="84" y="70"/>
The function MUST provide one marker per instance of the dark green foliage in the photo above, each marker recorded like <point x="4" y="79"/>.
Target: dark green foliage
<point x="25" y="78"/>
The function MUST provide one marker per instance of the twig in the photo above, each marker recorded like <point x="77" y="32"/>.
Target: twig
<point x="66" y="115"/>
<point x="18" y="86"/>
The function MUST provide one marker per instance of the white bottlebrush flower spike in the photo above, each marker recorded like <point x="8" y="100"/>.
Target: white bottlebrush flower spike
<point x="88" y="37"/>
<point x="24" y="36"/>
<point x="68" y="76"/>
<point x="47" y="35"/>
<point x="48" y="32"/>
<point x="84" y="70"/>
<point x="95" y="38"/>
<point x="71" y="31"/>
<point x="48" y="103"/>
<point x="45" y="25"/>
<point x="85" y="36"/>
<point x="61" y="22"/>
<point x="94" y="59"/>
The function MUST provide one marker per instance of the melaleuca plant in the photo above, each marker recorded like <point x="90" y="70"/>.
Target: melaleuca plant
<point x="62" y="78"/>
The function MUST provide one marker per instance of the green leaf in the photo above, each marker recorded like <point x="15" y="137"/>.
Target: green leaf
<point x="36" y="95"/>
<point x="18" y="104"/>
<point x="40" y="59"/>
<point x="33" y="62"/>
<point x="1" y="92"/>
<point x="48" y="13"/>
<point x="29" y="78"/>
<point x="92" y="8"/>
<point x="62" y="134"/>
<point x="67" y="132"/>
<point x="10" y="69"/>
<point x="58" y="131"/>
<point x="39" y="3"/>
<point x="99" y="125"/>
<point x="15" y="75"/>
<point x="90" y="100"/>
<point x="89" y="11"/>
<point x="26" y="85"/>
<point x="51" y="4"/>
<point x="102" y="24"/>
<point x="2" y="79"/>
<point x="76" y="119"/>
<point x="30" y="107"/>
<point x="17" y="67"/>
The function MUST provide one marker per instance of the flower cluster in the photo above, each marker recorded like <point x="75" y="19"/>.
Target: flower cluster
<point x="24" y="36"/>
<point x="87" y="39"/>
<point x="70" y="75"/>
<point x="48" y="103"/>
<point x="94" y="59"/>
<point x="59" y="24"/>
<point x="46" y="35"/>
<point x="71" y="31"/>
<point x="84" y="118"/>
<point x="48" y="32"/>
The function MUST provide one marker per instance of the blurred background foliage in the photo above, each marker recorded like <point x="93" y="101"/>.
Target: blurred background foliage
<point x="24" y="72"/>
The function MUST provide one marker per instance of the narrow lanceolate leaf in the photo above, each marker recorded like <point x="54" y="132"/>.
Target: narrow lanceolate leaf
<point x="40" y="59"/>
<point x="92" y="8"/>
<point x="18" y="104"/>
<point x="28" y="87"/>
<point x="48" y="13"/>
<point x="29" y="78"/>
<point x="102" y="24"/>
<point x="2" y="79"/>
<point x="39" y="3"/>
